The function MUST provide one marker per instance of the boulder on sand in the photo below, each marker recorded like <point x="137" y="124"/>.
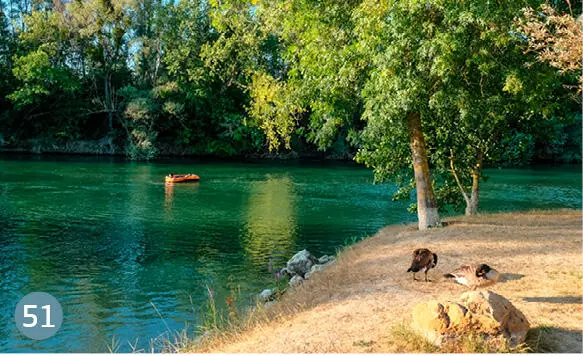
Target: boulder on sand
<point x="478" y="312"/>
<point x="301" y="263"/>
<point x="296" y="281"/>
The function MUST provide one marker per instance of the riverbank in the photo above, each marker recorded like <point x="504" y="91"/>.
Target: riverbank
<point x="363" y="302"/>
<point x="109" y="147"/>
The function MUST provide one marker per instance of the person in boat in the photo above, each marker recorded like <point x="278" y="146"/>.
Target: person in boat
<point x="172" y="175"/>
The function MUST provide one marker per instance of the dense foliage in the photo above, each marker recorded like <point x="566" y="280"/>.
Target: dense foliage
<point x="493" y="84"/>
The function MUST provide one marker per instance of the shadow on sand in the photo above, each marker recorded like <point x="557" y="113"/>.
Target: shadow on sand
<point x="505" y="277"/>
<point x="555" y="300"/>
<point x="552" y="339"/>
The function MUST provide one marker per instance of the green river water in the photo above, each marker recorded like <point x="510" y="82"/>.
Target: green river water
<point x="110" y="240"/>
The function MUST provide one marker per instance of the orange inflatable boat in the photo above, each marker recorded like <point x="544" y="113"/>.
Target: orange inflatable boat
<point x="180" y="178"/>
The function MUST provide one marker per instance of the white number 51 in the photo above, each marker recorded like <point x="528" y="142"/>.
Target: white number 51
<point x="47" y="309"/>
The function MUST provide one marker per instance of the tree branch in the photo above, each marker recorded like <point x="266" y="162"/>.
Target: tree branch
<point x="457" y="180"/>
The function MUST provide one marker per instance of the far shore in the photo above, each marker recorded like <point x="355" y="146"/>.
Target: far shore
<point x="274" y="157"/>
<point x="97" y="148"/>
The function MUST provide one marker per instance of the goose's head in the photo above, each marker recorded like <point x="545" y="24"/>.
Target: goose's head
<point x="483" y="270"/>
<point x="487" y="272"/>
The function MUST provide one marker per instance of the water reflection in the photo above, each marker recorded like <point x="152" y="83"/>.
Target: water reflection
<point x="271" y="220"/>
<point x="168" y="197"/>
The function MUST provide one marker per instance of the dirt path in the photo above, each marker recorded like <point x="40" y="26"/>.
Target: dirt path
<point x="353" y="305"/>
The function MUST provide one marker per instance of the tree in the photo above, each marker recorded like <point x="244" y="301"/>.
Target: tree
<point x="6" y="40"/>
<point x="493" y="94"/>
<point x="7" y="48"/>
<point x="312" y="88"/>
<point x="399" y="38"/>
<point x="148" y="29"/>
<point x="103" y="25"/>
<point x="330" y="70"/>
<point x="7" y="45"/>
<point x="44" y="78"/>
<point x="139" y="116"/>
<point x="67" y="47"/>
<point x="210" y="48"/>
<point x="461" y="66"/>
<point x="437" y="83"/>
<point x="556" y="38"/>
<point x="485" y="91"/>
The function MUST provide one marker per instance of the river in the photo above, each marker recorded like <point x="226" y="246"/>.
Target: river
<point x="130" y="258"/>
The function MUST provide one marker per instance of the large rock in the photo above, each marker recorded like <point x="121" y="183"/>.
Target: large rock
<point x="266" y="295"/>
<point x="430" y="319"/>
<point x="301" y="263"/>
<point x="315" y="268"/>
<point x="285" y="273"/>
<point x="479" y="312"/>
<point x="500" y="311"/>
<point x="326" y="259"/>
<point x="296" y="281"/>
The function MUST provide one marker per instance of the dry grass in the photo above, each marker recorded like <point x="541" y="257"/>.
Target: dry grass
<point x="363" y="302"/>
<point x="405" y="339"/>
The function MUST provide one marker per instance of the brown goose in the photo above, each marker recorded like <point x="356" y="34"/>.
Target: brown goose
<point x="423" y="260"/>
<point x="474" y="276"/>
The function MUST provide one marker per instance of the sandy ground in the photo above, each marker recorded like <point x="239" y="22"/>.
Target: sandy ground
<point x="353" y="305"/>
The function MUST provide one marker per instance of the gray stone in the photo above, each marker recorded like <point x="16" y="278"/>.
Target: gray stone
<point x="269" y="304"/>
<point x="266" y="295"/>
<point x="285" y="273"/>
<point x="301" y="263"/>
<point x="325" y="259"/>
<point x="296" y="281"/>
<point x="314" y="269"/>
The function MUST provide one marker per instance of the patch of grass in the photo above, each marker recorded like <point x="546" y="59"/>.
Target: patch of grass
<point x="541" y="340"/>
<point x="219" y="326"/>
<point x="354" y="239"/>
<point x="363" y="343"/>
<point x="405" y="339"/>
<point x="473" y="344"/>
<point x="225" y="332"/>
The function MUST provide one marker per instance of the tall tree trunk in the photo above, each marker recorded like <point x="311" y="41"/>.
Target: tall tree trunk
<point x="426" y="203"/>
<point x="11" y="18"/>
<point x="472" y="204"/>
<point x="473" y="199"/>
<point x="83" y="53"/>
<point x="108" y="101"/>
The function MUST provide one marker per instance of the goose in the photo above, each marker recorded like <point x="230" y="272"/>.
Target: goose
<point x="475" y="275"/>
<point x="423" y="260"/>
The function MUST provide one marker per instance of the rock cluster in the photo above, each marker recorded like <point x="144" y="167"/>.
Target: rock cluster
<point x="484" y="313"/>
<point x="303" y="264"/>
<point x="299" y="268"/>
